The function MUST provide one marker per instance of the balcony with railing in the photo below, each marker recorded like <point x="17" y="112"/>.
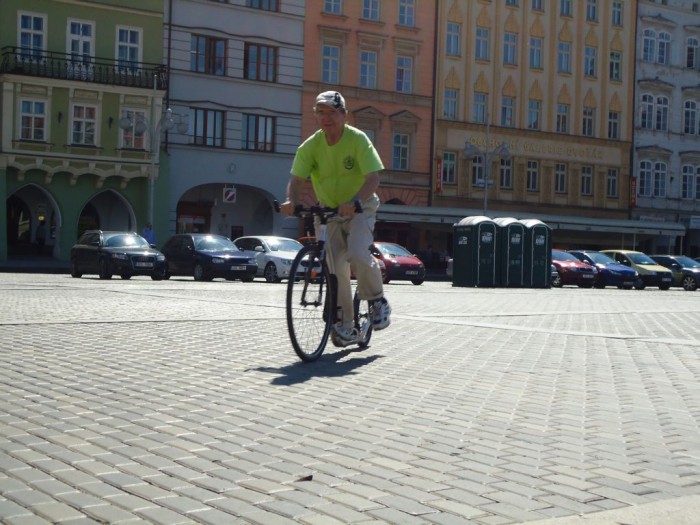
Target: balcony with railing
<point x="50" y="64"/>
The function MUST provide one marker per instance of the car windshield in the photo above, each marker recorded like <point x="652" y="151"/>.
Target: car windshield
<point x="641" y="258"/>
<point x="122" y="240"/>
<point x="601" y="258"/>
<point x="394" y="249"/>
<point x="687" y="262"/>
<point x="563" y="256"/>
<point x="284" y="245"/>
<point x="211" y="243"/>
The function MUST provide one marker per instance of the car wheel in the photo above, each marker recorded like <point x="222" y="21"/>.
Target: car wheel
<point x="74" y="272"/>
<point x="199" y="274"/>
<point x="159" y="276"/>
<point x="126" y="277"/>
<point x="639" y="284"/>
<point x="247" y="279"/>
<point x="271" y="273"/>
<point x="556" y="281"/>
<point x="104" y="270"/>
<point x="664" y="287"/>
<point x="417" y="282"/>
<point x="689" y="283"/>
<point x="599" y="284"/>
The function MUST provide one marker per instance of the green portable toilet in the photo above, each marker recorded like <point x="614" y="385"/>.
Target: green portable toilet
<point x="511" y="241"/>
<point x="474" y="252"/>
<point x="537" y="254"/>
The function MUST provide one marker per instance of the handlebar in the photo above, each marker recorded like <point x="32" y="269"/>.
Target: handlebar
<point x="316" y="210"/>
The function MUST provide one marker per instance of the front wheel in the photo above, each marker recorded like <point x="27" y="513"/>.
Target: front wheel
<point x="105" y="273"/>
<point x="310" y="305"/>
<point x="74" y="270"/>
<point x="271" y="275"/>
<point x="639" y="284"/>
<point x="417" y="282"/>
<point x="689" y="283"/>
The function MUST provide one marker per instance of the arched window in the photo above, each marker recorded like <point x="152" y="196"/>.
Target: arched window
<point x="644" y="179"/>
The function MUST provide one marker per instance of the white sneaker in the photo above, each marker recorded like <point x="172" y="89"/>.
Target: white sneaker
<point x="381" y="318"/>
<point x="341" y="336"/>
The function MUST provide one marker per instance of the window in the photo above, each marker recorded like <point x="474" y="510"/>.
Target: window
<point x="258" y="133"/>
<point x="404" y="74"/>
<point x="512" y="2"/>
<point x="452" y="44"/>
<point x="535" y="53"/>
<point x="659" y="179"/>
<point x="370" y="9"/>
<point x="265" y="5"/>
<point x="407" y="10"/>
<point x="615" y="65"/>
<point x="617" y="13"/>
<point x="538" y="5"/>
<point x="449" y="167"/>
<point x="478" y="171"/>
<point x="613" y="125"/>
<point x="534" y="108"/>
<point x="368" y="69"/>
<point x="333" y="7"/>
<point x="560" y="178"/>
<point x="562" y="118"/>
<point x="330" y="64"/>
<point x="134" y="136"/>
<point x="646" y="112"/>
<point x="690" y="117"/>
<point x="479" y="109"/>
<point x="587" y="122"/>
<point x="507" y="108"/>
<point x="587" y="180"/>
<point x="509" y="48"/>
<point x="506" y="173"/>
<point x="564" y="7"/>
<point x="533" y="173"/>
<point x="450" y="104"/>
<point x="664" y="52"/>
<point x="80" y="41"/>
<point x="564" y="57"/>
<point x="208" y="55"/>
<point x="661" y="114"/>
<point x="33" y="120"/>
<point x="652" y="182"/>
<point x="83" y="125"/>
<point x="692" y="50"/>
<point x="589" y="60"/>
<point x="128" y="48"/>
<point x="648" y="45"/>
<point x="400" y="150"/>
<point x="697" y="185"/>
<point x="31" y="34"/>
<point x="208" y="126"/>
<point x="612" y="183"/>
<point x="481" y="49"/>
<point x="260" y="63"/>
<point x="687" y="179"/>
<point x="592" y="10"/>
<point x="644" y="189"/>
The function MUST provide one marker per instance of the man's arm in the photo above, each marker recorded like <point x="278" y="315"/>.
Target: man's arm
<point x="294" y="189"/>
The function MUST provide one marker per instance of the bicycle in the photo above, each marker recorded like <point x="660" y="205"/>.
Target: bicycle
<point x="311" y="302"/>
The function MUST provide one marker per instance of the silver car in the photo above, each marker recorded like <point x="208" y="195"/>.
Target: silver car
<point x="274" y="255"/>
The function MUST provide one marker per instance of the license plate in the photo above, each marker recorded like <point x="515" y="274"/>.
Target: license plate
<point x="235" y="268"/>
<point x="665" y="279"/>
<point x="627" y="283"/>
<point x="588" y="276"/>
<point x="144" y="265"/>
<point x="412" y="272"/>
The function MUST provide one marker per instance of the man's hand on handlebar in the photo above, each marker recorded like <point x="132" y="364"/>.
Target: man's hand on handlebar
<point x="287" y="208"/>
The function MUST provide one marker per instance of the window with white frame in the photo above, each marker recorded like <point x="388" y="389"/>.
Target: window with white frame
<point x="368" y="69"/>
<point x="644" y="188"/>
<point x="538" y="5"/>
<point x="533" y="175"/>
<point x="510" y="43"/>
<point x="506" y="173"/>
<point x="32" y="120"/>
<point x="652" y="179"/>
<point x="615" y="66"/>
<point x="507" y="111"/>
<point x="330" y="64"/>
<point x="132" y="128"/>
<point x="664" y="48"/>
<point x="613" y="191"/>
<point x="563" y="118"/>
<point x="478" y="170"/>
<point x="697" y="184"/>
<point x="588" y="121"/>
<point x="32" y="34"/>
<point x="333" y="7"/>
<point x="660" y="170"/>
<point x="449" y="167"/>
<point x="614" y="125"/>
<point x="565" y="7"/>
<point x="648" y="45"/>
<point x="692" y="53"/>
<point x="587" y="180"/>
<point x="83" y="125"/>
<point x="81" y="40"/>
<point x="404" y="74"/>
<point x="592" y="10"/>
<point x="646" y="111"/>
<point x="512" y="2"/>
<point x="589" y="61"/>
<point x="536" y="52"/>
<point x="481" y="47"/>
<point x="616" y="17"/>
<point x="407" y="13"/>
<point x="687" y="181"/>
<point x="129" y="48"/>
<point x="264" y="5"/>
<point x="690" y="117"/>
<point x="564" y="57"/>
<point x="534" y="110"/>
<point x="370" y="9"/>
<point x="452" y="43"/>
<point x="400" y="151"/>
<point x="560" y="178"/>
<point x="661" y="121"/>
<point x="450" y="104"/>
<point x="479" y="108"/>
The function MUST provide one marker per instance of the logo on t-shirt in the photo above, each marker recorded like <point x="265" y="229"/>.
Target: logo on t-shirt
<point x="349" y="163"/>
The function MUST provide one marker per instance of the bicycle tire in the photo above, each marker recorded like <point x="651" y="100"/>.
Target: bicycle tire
<point x="363" y="311"/>
<point x="309" y="305"/>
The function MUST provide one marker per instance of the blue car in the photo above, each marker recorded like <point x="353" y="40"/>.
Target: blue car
<point x="610" y="272"/>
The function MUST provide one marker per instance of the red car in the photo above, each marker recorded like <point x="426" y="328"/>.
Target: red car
<point x="573" y="271"/>
<point x="401" y="265"/>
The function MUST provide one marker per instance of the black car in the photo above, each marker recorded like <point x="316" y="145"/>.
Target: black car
<point x="686" y="271"/>
<point x="206" y="256"/>
<point x="122" y="253"/>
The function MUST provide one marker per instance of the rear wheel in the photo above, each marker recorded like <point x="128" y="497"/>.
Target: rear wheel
<point x="639" y="284"/>
<point x="74" y="271"/>
<point x="310" y="305"/>
<point x="417" y="282"/>
<point x="664" y="287"/>
<point x="200" y="273"/>
<point x="125" y="276"/>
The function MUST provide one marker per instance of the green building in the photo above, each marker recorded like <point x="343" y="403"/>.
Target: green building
<point x="81" y="118"/>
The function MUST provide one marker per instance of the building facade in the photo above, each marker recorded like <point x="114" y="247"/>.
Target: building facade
<point x="666" y="161"/>
<point x="79" y="83"/>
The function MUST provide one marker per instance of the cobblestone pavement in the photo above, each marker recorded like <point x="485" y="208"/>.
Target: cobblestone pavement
<point x="179" y="402"/>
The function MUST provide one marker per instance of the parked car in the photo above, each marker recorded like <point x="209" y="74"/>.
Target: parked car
<point x="554" y="277"/>
<point x="610" y="272"/>
<point x="274" y="255"/>
<point x="401" y="265"/>
<point x="122" y="253"/>
<point x="685" y="271"/>
<point x="573" y="271"/>
<point x="206" y="256"/>
<point x="650" y="272"/>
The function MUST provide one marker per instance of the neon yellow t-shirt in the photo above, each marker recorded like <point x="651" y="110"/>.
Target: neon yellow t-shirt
<point x="337" y="172"/>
